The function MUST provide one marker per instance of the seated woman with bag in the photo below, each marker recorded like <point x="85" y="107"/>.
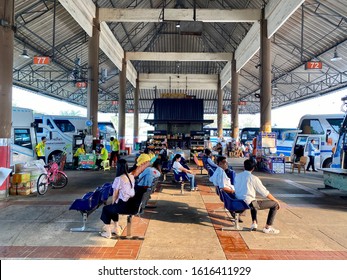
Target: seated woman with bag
<point x="123" y="189"/>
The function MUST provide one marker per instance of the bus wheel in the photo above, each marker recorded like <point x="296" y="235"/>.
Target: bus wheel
<point x="55" y="156"/>
<point x="327" y="163"/>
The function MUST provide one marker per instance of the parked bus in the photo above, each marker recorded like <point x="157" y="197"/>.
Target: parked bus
<point x="23" y="137"/>
<point x="213" y="134"/>
<point x="324" y="129"/>
<point x="64" y="133"/>
<point x="285" y="138"/>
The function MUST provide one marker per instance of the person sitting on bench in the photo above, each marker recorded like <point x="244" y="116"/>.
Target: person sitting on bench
<point x="220" y="178"/>
<point x="123" y="189"/>
<point x="147" y="176"/>
<point x="222" y="181"/>
<point x="247" y="186"/>
<point x="142" y="158"/>
<point x="207" y="159"/>
<point x="180" y="168"/>
<point x="102" y="156"/>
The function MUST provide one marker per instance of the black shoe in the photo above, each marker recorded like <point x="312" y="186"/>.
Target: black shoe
<point x="308" y="170"/>
<point x="314" y="171"/>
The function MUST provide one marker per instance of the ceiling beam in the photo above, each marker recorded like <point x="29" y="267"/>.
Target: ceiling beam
<point x="248" y="46"/>
<point x="174" y="56"/>
<point x="277" y="12"/>
<point x="178" y="81"/>
<point x="225" y="75"/>
<point x="158" y="15"/>
<point x="84" y="11"/>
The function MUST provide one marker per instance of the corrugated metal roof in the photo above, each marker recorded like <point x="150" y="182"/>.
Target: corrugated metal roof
<point x="314" y="32"/>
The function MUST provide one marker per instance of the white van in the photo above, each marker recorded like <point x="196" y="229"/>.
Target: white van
<point x="324" y="129"/>
<point x="23" y="137"/>
<point x="61" y="133"/>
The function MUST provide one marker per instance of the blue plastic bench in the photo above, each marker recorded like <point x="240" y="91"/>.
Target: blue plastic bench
<point x="166" y="168"/>
<point x="234" y="205"/>
<point x="89" y="203"/>
<point x="181" y="179"/>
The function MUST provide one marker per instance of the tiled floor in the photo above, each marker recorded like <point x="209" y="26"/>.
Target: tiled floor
<point x="232" y="243"/>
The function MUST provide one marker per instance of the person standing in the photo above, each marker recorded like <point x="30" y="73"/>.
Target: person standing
<point x="246" y="187"/>
<point x="311" y="154"/>
<point x="40" y="149"/>
<point x="114" y="143"/>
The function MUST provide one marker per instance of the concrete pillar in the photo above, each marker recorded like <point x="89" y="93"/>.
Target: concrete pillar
<point x="121" y="107"/>
<point x="265" y="89"/>
<point x="6" y="67"/>
<point x="234" y="101"/>
<point x="136" y="112"/>
<point x="93" y="75"/>
<point x="219" y="109"/>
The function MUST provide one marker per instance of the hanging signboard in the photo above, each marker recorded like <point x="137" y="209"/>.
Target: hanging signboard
<point x="41" y="60"/>
<point x="81" y="84"/>
<point x="313" y="65"/>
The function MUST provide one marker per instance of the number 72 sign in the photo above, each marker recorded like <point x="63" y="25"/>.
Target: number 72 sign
<point x="313" y="65"/>
<point x="41" y="60"/>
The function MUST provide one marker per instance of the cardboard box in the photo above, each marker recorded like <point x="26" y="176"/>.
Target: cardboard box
<point x="23" y="191"/>
<point x="13" y="191"/>
<point x="21" y="185"/>
<point x="20" y="178"/>
<point x="20" y="191"/>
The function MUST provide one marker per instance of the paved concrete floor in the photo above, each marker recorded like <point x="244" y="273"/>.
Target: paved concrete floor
<point x="313" y="223"/>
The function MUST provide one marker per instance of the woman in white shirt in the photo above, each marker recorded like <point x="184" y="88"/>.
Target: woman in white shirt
<point x="123" y="189"/>
<point x="179" y="168"/>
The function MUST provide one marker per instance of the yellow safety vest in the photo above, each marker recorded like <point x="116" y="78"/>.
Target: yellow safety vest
<point x="80" y="151"/>
<point x="40" y="149"/>
<point x="104" y="154"/>
<point x="114" y="145"/>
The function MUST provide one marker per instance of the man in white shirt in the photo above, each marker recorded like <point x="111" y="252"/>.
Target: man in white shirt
<point x="222" y="181"/>
<point x="220" y="178"/>
<point x="246" y="186"/>
<point x="180" y="168"/>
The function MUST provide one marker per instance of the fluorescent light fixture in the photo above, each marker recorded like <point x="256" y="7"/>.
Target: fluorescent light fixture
<point x="25" y="54"/>
<point x="336" y="57"/>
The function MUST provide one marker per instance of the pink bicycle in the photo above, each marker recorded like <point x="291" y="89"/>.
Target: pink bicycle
<point x="54" y="177"/>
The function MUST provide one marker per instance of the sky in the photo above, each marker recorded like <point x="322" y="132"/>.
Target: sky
<point x="286" y="116"/>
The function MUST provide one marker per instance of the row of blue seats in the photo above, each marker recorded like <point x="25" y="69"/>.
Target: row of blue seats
<point x="89" y="202"/>
<point x="179" y="178"/>
<point x="93" y="200"/>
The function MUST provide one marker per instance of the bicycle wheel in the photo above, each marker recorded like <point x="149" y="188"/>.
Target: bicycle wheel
<point x="42" y="184"/>
<point x="60" y="180"/>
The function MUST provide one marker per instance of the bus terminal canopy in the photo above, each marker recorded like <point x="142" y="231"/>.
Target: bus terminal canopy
<point x="180" y="48"/>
